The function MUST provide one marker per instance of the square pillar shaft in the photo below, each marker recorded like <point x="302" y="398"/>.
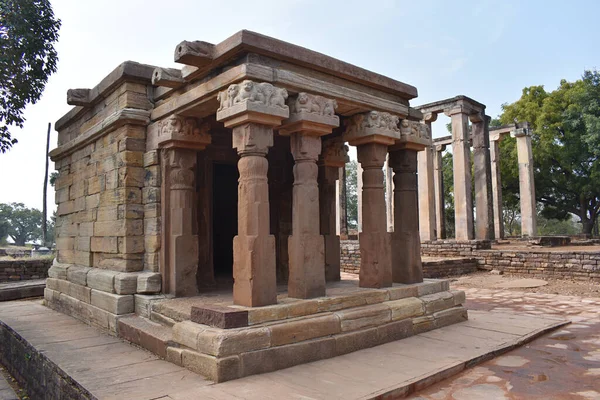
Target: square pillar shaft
<point x="426" y="187"/>
<point x="526" y="183"/>
<point x="463" y="201"/>
<point x="406" y="245"/>
<point x="497" y="189"/>
<point x="438" y="182"/>
<point x="328" y="178"/>
<point x="484" y="223"/>
<point x="389" y="195"/>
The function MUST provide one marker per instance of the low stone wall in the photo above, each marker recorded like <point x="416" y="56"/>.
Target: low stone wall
<point x="453" y="248"/>
<point x="439" y="268"/>
<point x="21" y="270"/>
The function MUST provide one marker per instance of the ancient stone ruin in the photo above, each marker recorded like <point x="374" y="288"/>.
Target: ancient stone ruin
<point x="197" y="208"/>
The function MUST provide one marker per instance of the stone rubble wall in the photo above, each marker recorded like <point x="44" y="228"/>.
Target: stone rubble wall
<point x="350" y="262"/>
<point x="22" y="270"/>
<point x="108" y="216"/>
<point x="453" y="248"/>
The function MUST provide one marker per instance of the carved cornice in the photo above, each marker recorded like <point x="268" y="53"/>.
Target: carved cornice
<point x="168" y="77"/>
<point x="335" y="153"/>
<point x="177" y="131"/>
<point x="414" y="135"/>
<point x="251" y="101"/>
<point x="310" y="114"/>
<point x="372" y="127"/>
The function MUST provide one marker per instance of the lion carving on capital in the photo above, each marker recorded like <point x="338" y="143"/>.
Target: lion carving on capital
<point x="252" y="92"/>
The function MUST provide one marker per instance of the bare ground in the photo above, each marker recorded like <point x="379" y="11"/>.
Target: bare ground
<point x="487" y="280"/>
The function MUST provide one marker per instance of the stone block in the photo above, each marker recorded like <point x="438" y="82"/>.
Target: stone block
<point x="152" y="243"/>
<point x="130" y="211"/>
<point x="121" y="264"/>
<point x="402" y="292"/>
<point x="105" y="244"/>
<point x="149" y="282"/>
<point x="120" y="195"/>
<point x="121" y="227"/>
<point x="125" y="283"/>
<point x="58" y="271"/>
<point x="258" y="315"/>
<point x="215" y="369"/>
<point x="220" y="343"/>
<point x="130" y="158"/>
<point x="113" y="303"/>
<point x="151" y="194"/>
<point x="81" y="293"/>
<point x="82" y="243"/>
<point x="353" y="341"/>
<point x="217" y="316"/>
<point x="428" y="287"/>
<point x="186" y="333"/>
<point x="174" y="355"/>
<point x="144" y="303"/>
<point x="406" y="308"/>
<point x="151" y="158"/>
<point x="92" y="201"/>
<point x="363" y="317"/>
<point x="78" y="274"/>
<point x="423" y="324"/>
<point x="131" y="244"/>
<point x="132" y="177"/>
<point x="395" y="330"/>
<point x="438" y="301"/>
<point x="450" y="316"/>
<point x="151" y="210"/>
<point x="459" y="297"/>
<point x="152" y="226"/>
<point x="153" y="176"/>
<point x="302" y="308"/>
<point x="340" y="302"/>
<point x="300" y="330"/>
<point x="109" y="213"/>
<point x="51" y="295"/>
<point x="152" y="261"/>
<point x="65" y="243"/>
<point x="275" y="358"/>
<point x="96" y="184"/>
<point x="101" y="279"/>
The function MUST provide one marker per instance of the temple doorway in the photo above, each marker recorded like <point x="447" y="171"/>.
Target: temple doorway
<point x="225" y="214"/>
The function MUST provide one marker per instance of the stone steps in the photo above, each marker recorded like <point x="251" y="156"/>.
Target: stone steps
<point x="150" y="335"/>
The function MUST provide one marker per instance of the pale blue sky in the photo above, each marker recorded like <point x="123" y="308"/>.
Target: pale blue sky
<point x="488" y="50"/>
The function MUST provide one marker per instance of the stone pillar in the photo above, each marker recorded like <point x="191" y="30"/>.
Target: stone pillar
<point x="310" y="118"/>
<point x="372" y="133"/>
<point x="426" y="187"/>
<point x="252" y="110"/>
<point x="526" y="182"/>
<point x="463" y="201"/>
<point x="389" y="195"/>
<point x="342" y="206"/>
<point x="484" y="223"/>
<point x="438" y="182"/>
<point x="333" y="159"/>
<point x="496" y="185"/>
<point x="180" y="138"/>
<point x="406" y="244"/>
<point x="359" y="196"/>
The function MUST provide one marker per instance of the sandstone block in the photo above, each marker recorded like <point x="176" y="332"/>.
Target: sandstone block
<point x="340" y="302"/>
<point x="304" y="329"/>
<point x="438" y="301"/>
<point x="107" y="214"/>
<point x="81" y="293"/>
<point x="82" y="243"/>
<point x="104" y="244"/>
<point x="78" y="274"/>
<point x="215" y="369"/>
<point x="353" y="341"/>
<point x="363" y="317"/>
<point x="149" y="282"/>
<point x="151" y="195"/>
<point x="395" y="330"/>
<point x="131" y="177"/>
<point x="101" y="279"/>
<point x="51" y="295"/>
<point x="152" y="243"/>
<point x="151" y="158"/>
<point x="174" y="355"/>
<point x="152" y="226"/>
<point x="402" y="292"/>
<point x="186" y="333"/>
<point x="153" y="176"/>
<point x="217" y="316"/>
<point x="121" y="264"/>
<point x="450" y="316"/>
<point x="130" y="211"/>
<point x="423" y="324"/>
<point x="145" y="302"/>
<point x="131" y="244"/>
<point x="406" y="308"/>
<point x="58" y="271"/>
<point x="125" y="283"/>
<point x="459" y="297"/>
<point x="113" y="303"/>
<point x="429" y="287"/>
<point x="257" y="315"/>
<point x="96" y="184"/>
<point x="220" y="343"/>
<point x="132" y="144"/>
<point x="302" y="308"/>
<point x="122" y="227"/>
<point x="152" y="261"/>
<point x="120" y="195"/>
<point x="151" y="210"/>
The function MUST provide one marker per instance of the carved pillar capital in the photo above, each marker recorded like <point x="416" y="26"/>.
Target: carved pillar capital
<point x="413" y="136"/>
<point x="310" y="114"/>
<point x="430" y="117"/>
<point x="249" y="101"/>
<point x="182" y="132"/>
<point x="335" y="153"/>
<point x="372" y="127"/>
<point x="181" y="165"/>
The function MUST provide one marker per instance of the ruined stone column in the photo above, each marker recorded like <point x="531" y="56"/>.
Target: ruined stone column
<point x="252" y="110"/>
<point x="438" y="182"/>
<point x="526" y="182"/>
<point x="332" y="160"/>
<point x="484" y="224"/>
<point x="389" y="195"/>
<point x="310" y="118"/>
<point x="180" y="138"/>
<point x="463" y="201"/>
<point x="496" y="185"/>
<point x="372" y="133"/>
<point x="406" y="244"/>
<point x="342" y="206"/>
<point x="426" y="188"/>
<point x="359" y="196"/>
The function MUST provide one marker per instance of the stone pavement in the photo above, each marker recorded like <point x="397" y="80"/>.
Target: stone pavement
<point x="6" y="391"/>
<point x="107" y="368"/>
<point x="561" y="365"/>
<point x="22" y="289"/>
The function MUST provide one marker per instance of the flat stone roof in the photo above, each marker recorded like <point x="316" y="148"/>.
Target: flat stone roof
<point x="441" y="105"/>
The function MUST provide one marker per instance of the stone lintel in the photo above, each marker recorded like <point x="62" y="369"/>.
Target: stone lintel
<point x="521" y="132"/>
<point x="180" y="132"/>
<point x="196" y="53"/>
<point x="220" y="316"/>
<point x="459" y="109"/>
<point x="168" y="77"/>
<point x="79" y="97"/>
<point x="381" y="139"/>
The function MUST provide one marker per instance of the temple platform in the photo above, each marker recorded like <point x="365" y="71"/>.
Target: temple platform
<point x="53" y="355"/>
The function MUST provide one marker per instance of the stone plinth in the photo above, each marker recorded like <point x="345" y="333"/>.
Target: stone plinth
<point x="252" y="110"/>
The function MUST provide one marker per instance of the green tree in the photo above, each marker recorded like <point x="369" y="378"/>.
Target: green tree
<point x="566" y="163"/>
<point x="28" y="32"/>
<point x="25" y="224"/>
<point x="352" y="194"/>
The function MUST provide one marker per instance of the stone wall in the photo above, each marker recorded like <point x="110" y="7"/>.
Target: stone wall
<point x="108" y="197"/>
<point x="21" y="270"/>
<point x="439" y="268"/>
<point x="453" y="248"/>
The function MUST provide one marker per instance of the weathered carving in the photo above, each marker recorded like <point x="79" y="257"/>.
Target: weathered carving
<point x="252" y="139"/>
<point x="314" y="104"/>
<point x="177" y="125"/>
<point x="253" y="92"/>
<point x="373" y="119"/>
<point x="181" y="164"/>
<point x="168" y="77"/>
<point x="195" y="53"/>
<point x="305" y="147"/>
<point x="414" y="129"/>
<point x="78" y="97"/>
<point x="335" y="152"/>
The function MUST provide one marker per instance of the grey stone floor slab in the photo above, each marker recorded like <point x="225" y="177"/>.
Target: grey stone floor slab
<point x="112" y="369"/>
<point x="6" y="391"/>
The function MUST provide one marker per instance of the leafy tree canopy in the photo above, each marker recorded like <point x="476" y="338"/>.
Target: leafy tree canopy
<point x="28" y="32"/>
<point x="24" y="224"/>
<point x="566" y="146"/>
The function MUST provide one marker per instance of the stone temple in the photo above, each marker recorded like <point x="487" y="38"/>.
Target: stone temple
<point x="197" y="208"/>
